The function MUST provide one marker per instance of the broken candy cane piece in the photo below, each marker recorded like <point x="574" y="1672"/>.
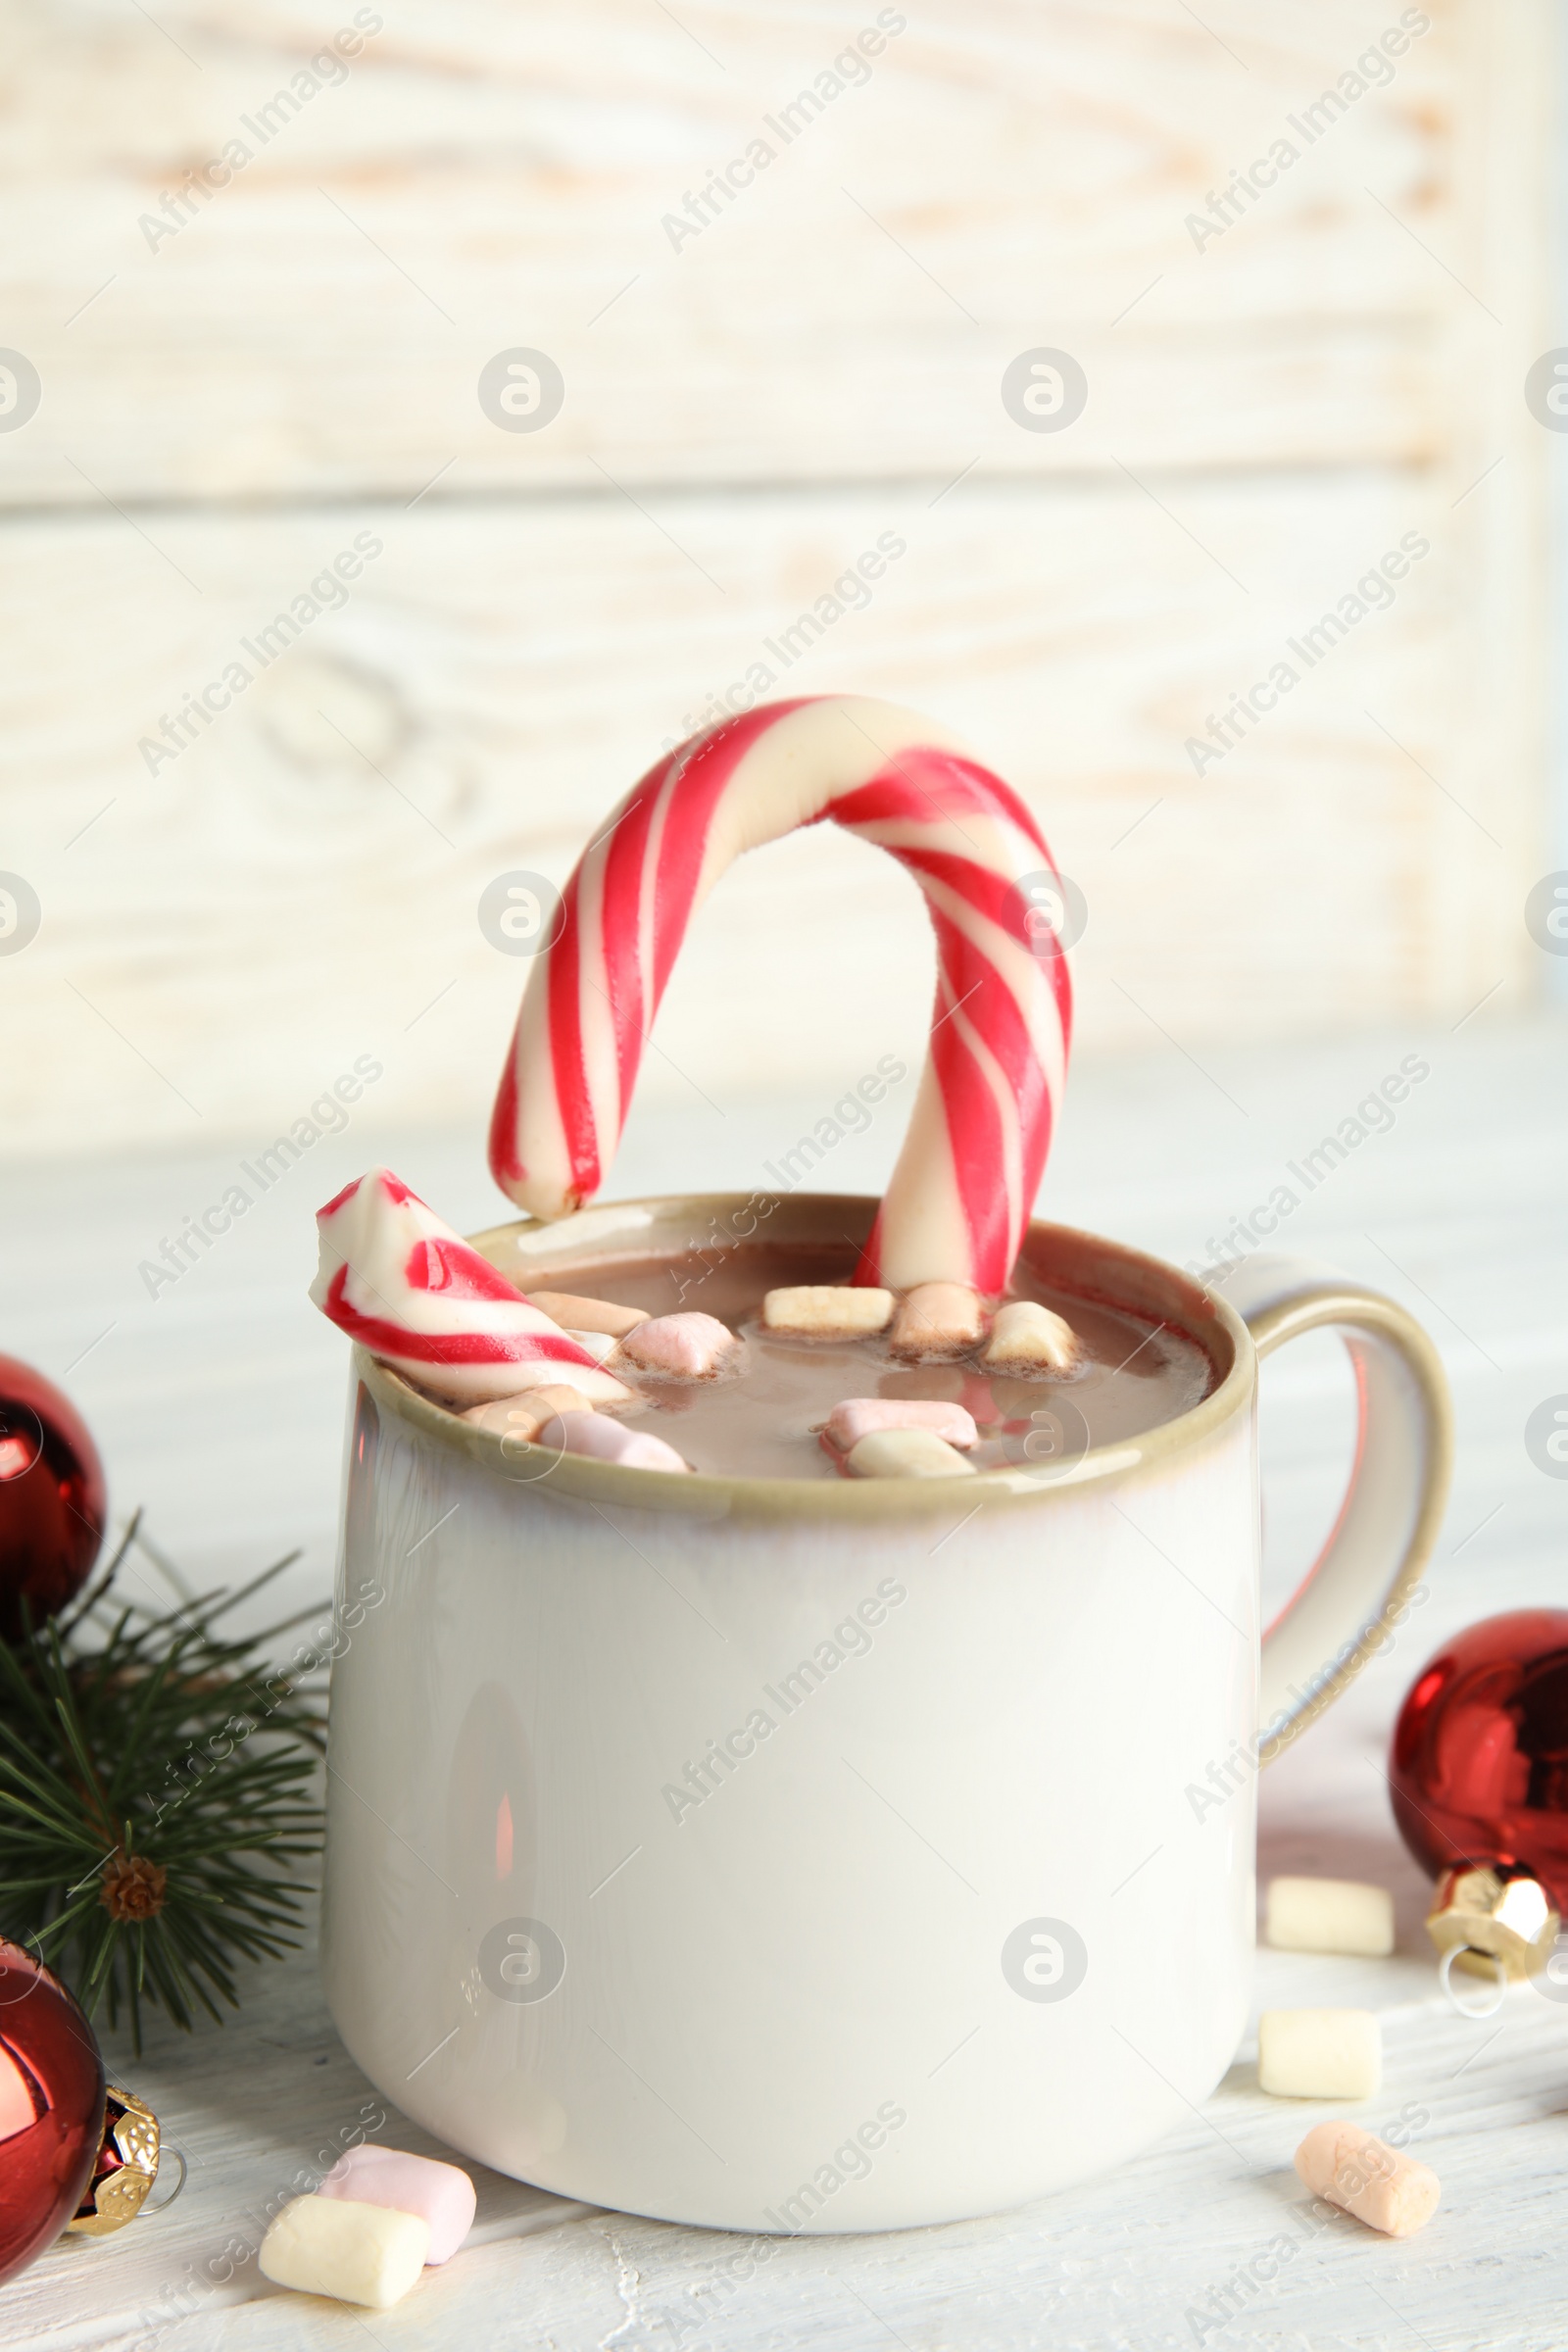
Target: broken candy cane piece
<point x="597" y="1343"/>
<point x="1319" y="2053"/>
<point x="522" y="1417"/>
<point x="413" y="1292"/>
<point x="827" y="1310"/>
<point x="1027" y="1337"/>
<point x="441" y="2195"/>
<point x="858" y="1418"/>
<point x="1330" y="1914"/>
<point x="905" y="1453"/>
<point x="355" y="2253"/>
<point x="935" y="1320"/>
<point x="574" y="1313"/>
<point x="967" y="1177"/>
<point x="1361" y="2174"/>
<point x="695" y="1347"/>
<point x="608" y="1442"/>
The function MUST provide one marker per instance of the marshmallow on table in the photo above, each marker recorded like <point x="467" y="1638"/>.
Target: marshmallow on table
<point x="441" y="2195"/>
<point x="413" y="1292"/>
<point x="905" y="1453"/>
<point x="937" y="1319"/>
<point x="1319" y="2053"/>
<point x="577" y="1314"/>
<point x="607" y="1441"/>
<point x="1027" y="1337"/>
<point x="858" y="1416"/>
<point x="1362" y="2174"/>
<point x="694" y="1347"/>
<point x="1330" y="1914"/>
<point x="522" y="1417"/>
<point x="356" y="2253"/>
<point x="828" y="1310"/>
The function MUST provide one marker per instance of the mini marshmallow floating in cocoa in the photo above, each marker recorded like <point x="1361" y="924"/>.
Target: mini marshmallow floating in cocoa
<point x="685" y="1347"/>
<point x="827" y="1310"/>
<point x="520" y="1419"/>
<point x="604" y="1440"/>
<point x="963" y="1188"/>
<point x="860" y="1417"/>
<point x="1027" y="1337"/>
<point x="575" y="1313"/>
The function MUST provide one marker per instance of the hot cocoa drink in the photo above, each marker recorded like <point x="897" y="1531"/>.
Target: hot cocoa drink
<point x="767" y="1413"/>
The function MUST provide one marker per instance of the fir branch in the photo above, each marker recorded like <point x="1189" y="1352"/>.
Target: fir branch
<point x="155" y="1793"/>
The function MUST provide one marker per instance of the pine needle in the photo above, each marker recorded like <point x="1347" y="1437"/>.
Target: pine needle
<point x="156" y="1795"/>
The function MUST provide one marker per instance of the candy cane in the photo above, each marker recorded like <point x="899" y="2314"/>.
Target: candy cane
<point x="966" y="1180"/>
<point x="402" y="1284"/>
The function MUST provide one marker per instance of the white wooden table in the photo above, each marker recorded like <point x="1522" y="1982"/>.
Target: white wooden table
<point x="221" y="1408"/>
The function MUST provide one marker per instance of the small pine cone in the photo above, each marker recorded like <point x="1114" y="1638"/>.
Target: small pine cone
<point x="133" y="1888"/>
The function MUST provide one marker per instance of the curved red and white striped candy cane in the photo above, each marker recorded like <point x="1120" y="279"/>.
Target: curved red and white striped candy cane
<point x="971" y="1162"/>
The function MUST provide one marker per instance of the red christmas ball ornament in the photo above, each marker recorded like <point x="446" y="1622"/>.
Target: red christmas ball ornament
<point x="53" y="1500"/>
<point x="1479" y="1771"/>
<point x="51" y="2107"/>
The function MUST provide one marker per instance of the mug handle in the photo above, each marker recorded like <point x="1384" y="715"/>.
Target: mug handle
<point x="1357" y="1589"/>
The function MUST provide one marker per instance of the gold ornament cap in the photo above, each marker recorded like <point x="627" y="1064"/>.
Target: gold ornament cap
<point x="1485" y="1914"/>
<point x="127" y="2167"/>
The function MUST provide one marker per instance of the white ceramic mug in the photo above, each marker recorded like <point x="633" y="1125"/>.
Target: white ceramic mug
<point x="824" y="1854"/>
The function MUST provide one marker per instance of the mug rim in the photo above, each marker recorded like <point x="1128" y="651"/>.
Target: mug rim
<point x="1150" y="1285"/>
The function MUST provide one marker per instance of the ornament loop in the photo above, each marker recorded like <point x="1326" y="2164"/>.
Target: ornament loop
<point x="156" y="2204"/>
<point x="1446" y="1979"/>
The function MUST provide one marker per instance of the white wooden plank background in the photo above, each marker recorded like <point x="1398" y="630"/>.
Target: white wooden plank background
<point x="303" y="881"/>
<point x="221" y="415"/>
<point x="221" y="1406"/>
<point x="487" y="174"/>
